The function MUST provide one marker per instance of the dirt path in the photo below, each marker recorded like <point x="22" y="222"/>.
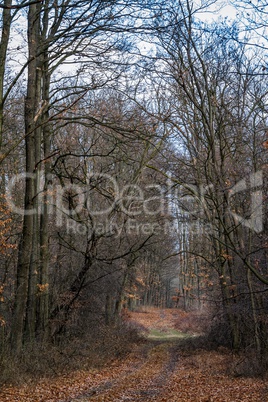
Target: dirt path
<point x="159" y="369"/>
<point x="164" y="372"/>
<point x="165" y="376"/>
<point x="143" y="382"/>
<point x="167" y="373"/>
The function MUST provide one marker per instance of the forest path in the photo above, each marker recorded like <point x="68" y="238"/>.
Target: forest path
<point x="164" y="371"/>
<point x="161" y="368"/>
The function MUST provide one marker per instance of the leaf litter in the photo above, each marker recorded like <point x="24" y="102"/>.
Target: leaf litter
<point x="156" y="370"/>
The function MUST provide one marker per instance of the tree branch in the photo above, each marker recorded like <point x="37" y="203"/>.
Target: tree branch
<point x="19" y="6"/>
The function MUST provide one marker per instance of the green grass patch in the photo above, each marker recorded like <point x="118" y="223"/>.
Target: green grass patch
<point x="167" y="334"/>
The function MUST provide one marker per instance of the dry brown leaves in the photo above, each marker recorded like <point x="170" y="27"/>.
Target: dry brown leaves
<point x="202" y="378"/>
<point x="64" y="387"/>
<point x="152" y="318"/>
<point x="152" y="372"/>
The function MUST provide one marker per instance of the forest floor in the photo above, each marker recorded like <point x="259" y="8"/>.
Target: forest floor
<point x="160" y="368"/>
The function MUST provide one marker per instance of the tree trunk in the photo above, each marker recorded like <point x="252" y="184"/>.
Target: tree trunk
<point x="25" y="257"/>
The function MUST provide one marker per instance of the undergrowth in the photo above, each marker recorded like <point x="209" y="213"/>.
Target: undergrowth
<point x="48" y="359"/>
